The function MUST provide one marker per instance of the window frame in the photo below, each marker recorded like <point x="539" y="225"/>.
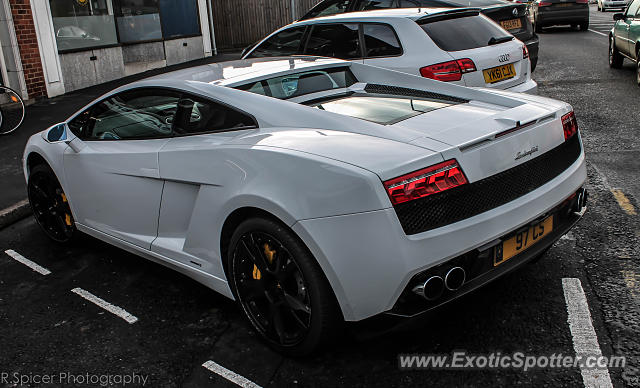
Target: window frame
<point x="301" y="45"/>
<point x="116" y="5"/>
<point x="83" y="136"/>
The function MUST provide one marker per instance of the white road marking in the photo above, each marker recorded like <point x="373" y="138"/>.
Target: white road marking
<point x="230" y="375"/>
<point x="585" y="340"/>
<point x="569" y="236"/>
<point x="13" y="207"/>
<point x="19" y="258"/>
<point x="598" y="32"/>
<point x="118" y="311"/>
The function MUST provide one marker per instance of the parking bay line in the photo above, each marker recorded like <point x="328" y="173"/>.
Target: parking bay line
<point x="597" y="32"/>
<point x="585" y="340"/>
<point x="115" y="310"/>
<point x="619" y="196"/>
<point x="21" y="259"/>
<point x="230" y="375"/>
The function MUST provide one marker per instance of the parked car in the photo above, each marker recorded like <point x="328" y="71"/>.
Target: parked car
<point x="604" y="5"/>
<point x="512" y="17"/>
<point x="546" y="13"/>
<point x="624" y="38"/>
<point x="453" y="45"/>
<point x="314" y="190"/>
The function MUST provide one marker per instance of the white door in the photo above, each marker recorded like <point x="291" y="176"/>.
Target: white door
<point x="111" y="169"/>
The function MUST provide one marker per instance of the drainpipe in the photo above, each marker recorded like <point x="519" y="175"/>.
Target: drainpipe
<point x="211" y="31"/>
<point x="293" y="11"/>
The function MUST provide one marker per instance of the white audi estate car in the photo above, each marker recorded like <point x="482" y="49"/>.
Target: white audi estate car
<point x="313" y="190"/>
<point x="460" y="45"/>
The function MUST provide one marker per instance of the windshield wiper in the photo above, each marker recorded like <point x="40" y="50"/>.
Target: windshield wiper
<point x="499" y="40"/>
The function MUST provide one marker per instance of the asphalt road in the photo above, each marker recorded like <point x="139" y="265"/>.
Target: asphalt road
<point x="48" y="329"/>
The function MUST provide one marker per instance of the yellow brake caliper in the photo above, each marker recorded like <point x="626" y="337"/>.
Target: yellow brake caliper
<point x="270" y="254"/>
<point x="67" y="216"/>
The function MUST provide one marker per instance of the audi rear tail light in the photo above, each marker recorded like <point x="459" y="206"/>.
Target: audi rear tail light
<point x="525" y="52"/>
<point x="449" y="71"/>
<point x="544" y="4"/>
<point x="425" y="182"/>
<point x="569" y="125"/>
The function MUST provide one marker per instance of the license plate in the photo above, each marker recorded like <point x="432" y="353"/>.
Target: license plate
<point x="499" y="73"/>
<point x="522" y="241"/>
<point x="512" y="24"/>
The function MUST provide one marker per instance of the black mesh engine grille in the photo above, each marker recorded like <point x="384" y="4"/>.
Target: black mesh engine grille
<point x="469" y="200"/>
<point x="400" y="91"/>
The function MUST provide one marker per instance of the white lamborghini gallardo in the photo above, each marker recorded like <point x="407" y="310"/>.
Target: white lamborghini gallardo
<point x="314" y="190"/>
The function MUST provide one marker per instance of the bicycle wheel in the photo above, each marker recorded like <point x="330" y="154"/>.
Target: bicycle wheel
<point x="12" y="110"/>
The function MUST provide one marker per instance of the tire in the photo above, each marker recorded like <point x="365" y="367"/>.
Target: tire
<point x="50" y="206"/>
<point x="638" y="67"/>
<point x="584" y="26"/>
<point x="534" y="63"/>
<point x="280" y="288"/>
<point x="615" y="58"/>
<point x="536" y="26"/>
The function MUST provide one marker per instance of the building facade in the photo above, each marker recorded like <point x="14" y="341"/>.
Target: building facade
<point x="50" y="47"/>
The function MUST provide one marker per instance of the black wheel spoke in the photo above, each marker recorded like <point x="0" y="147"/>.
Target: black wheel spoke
<point x="295" y="304"/>
<point x="275" y="313"/>
<point x="253" y="252"/>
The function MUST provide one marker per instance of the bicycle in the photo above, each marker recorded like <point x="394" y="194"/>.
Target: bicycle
<point x="12" y="110"/>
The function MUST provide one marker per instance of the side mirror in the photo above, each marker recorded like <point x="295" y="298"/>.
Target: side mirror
<point x="56" y="134"/>
<point x="618" y="16"/>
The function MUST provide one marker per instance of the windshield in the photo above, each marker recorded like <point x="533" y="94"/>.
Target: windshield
<point x="298" y="84"/>
<point x="381" y="110"/>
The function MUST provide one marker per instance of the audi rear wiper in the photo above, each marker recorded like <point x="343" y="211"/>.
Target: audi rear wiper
<point x="499" y="40"/>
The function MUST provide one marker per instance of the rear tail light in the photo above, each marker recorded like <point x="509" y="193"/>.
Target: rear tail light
<point x="544" y="4"/>
<point x="449" y="71"/>
<point x="425" y="182"/>
<point x="525" y="52"/>
<point x="569" y="125"/>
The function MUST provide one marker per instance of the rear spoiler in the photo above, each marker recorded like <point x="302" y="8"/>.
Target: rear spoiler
<point x="449" y="14"/>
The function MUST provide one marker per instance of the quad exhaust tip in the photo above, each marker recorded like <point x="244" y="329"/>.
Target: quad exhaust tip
<point x="455" y="278"/>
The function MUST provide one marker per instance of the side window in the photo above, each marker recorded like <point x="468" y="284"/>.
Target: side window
<point x="284" y="43"/>
<point x="328" y="7"/>
<point x="376" y="4"/>
<point x="334" y="40"/>
<point x="133" y="114"/>
<point x="198" y="115"/>
<point x="380" y="41"/>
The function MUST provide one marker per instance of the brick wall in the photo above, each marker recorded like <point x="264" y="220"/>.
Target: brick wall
<point x="28" y="45"/>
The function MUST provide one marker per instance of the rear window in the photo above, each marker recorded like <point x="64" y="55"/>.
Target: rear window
<point x="298" y="84"/>
<point x="464" y="33"/>
<point x="381" y="110"/>
<point x="447" y="3"/>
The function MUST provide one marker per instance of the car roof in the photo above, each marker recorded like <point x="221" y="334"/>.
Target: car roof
<point x="387" y="13"/>
<point x="237" y="72"/>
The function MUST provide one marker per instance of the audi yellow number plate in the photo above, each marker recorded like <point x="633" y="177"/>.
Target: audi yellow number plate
<point x="499" y="73"/>
<point x="512" y="24"/>
<point x="522" y="241"/>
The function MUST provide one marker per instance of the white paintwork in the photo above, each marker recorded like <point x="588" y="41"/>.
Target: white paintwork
<point x="23" y="260"/>
<point x="103" y="304"/>
<point x="419" y="50"/>
<point x="48" y="47"/>
<point x="318" y="172"/>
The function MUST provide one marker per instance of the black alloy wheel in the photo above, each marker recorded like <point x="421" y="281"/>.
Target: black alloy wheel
<point x="280" y="287"/>
<point x="49" y="204"/>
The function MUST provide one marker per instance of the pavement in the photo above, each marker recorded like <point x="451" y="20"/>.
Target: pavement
<point x="584" y="294"/>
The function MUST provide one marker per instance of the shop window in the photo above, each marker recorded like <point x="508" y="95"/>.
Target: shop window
<point x="82" y="24"/>
<point x="179" y="18"/>
<point x="138" y="20"/>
